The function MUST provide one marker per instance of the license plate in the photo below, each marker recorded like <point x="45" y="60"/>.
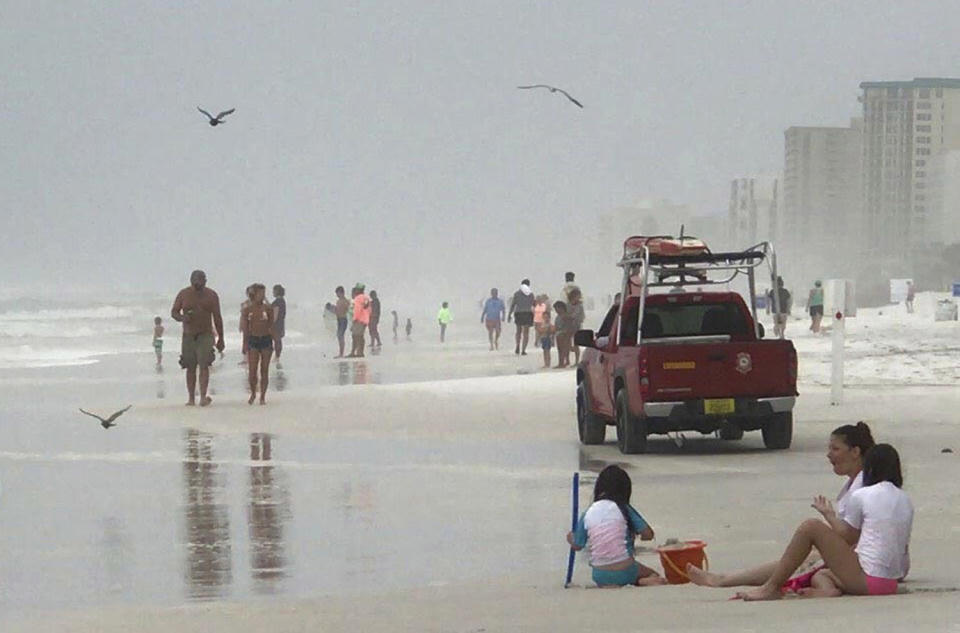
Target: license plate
<point x="719" y="407"/>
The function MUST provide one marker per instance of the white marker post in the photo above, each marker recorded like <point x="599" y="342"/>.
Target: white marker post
<point x="841" y="306"/>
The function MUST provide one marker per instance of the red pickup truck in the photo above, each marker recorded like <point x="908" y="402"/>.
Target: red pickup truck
<point x="695" y="361"/>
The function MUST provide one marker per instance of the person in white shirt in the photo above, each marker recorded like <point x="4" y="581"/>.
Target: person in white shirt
<point x="845" y="451"/>
<point x="879" y="518"/>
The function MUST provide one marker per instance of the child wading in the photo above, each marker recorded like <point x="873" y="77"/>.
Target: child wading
<point x="158" y="339"/>
<point x="545" y="334"/>
<point x="608" y="528"/>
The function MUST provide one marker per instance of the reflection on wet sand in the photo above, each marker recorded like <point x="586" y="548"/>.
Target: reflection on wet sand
<point x="279" y="380"/>
<point x="355" y="373"/>
<point x="208" y="567"/>
<point x="358" y="504"/>
<point x="161" y="385"/>
<point x="267" y="514"/>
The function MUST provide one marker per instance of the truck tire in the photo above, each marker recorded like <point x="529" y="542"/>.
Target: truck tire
<point x="631" y="430"/>
<point x="778" y="431"/>
<point x="591" y="429"/>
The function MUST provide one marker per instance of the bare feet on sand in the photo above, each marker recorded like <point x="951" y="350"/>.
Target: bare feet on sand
<point x="651" y="581"/>
<point x="762" y="592"/>
<point x="253" y="397"/>
<point x="206" y="401"/>
<point x="703" y="578"/>
<point x="263" y="400"/>
<point x="191" y="403"/>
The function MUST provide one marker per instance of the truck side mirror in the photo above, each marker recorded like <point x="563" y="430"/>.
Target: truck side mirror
<point x="584" y="338"/>
<point x="760" y="329"/>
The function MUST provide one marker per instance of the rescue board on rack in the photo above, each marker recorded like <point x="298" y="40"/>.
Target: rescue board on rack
<point x="663" y="245"/>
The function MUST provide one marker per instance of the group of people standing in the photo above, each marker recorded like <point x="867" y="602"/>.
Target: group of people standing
<point x="360" y="313"/>
<point x="535" y="311"/>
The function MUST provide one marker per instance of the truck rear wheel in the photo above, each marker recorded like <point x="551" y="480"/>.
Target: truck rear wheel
<point x="778" y="431"/>
<point x="591" y="429"/>
<point x="631" y="431"/>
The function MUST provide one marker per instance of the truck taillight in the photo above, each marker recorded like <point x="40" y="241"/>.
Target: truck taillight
<point x="644" y="378"/>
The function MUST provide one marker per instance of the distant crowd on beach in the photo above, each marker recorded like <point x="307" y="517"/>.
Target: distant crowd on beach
<point x="262" y="326"/>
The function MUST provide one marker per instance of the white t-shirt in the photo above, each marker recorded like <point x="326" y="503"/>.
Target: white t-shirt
<point x="852" y="484"/>
<point x="884" y="515"/>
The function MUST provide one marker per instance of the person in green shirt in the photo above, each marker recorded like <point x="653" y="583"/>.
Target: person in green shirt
<point x="443" y="318"/>
<point x="815" y="306"/>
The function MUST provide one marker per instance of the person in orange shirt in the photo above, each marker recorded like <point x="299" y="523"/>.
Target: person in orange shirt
<point x="361" y="318"/>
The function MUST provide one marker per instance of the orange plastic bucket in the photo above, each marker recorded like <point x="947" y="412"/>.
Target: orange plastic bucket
<point x="674" y="559"/>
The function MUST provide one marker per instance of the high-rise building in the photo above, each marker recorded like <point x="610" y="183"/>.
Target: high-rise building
<point x="907" y="124"/>
<point x="753" y="215"/>
<point x="821" y="196"/>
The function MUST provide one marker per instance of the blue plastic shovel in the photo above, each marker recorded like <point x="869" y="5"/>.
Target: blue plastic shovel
<point x="573" y="526"/>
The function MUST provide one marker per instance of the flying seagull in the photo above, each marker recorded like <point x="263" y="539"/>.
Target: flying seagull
<point x="109" y="421"/>
<point x="216" y="120"/>
<point x="552" y="89"/>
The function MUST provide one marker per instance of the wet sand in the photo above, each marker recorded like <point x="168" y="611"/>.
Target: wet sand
<point x="419" y="506"/>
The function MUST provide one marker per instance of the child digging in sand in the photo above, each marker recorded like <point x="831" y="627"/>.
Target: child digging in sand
<point x="608" y="529"/>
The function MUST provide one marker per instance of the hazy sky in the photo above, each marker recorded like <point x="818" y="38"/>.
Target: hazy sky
<point x="386" y="141"/>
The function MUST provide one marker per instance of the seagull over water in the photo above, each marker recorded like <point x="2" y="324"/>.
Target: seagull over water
<point x="108" y="422"/>
<point x="216" y="120"/>
<point x="552" y="89"/>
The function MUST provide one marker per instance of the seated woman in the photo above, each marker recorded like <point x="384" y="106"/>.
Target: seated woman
<point x="879" y="518"/>
<point x="847" y="446"/>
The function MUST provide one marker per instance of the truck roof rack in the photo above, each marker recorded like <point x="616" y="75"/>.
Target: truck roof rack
<point x="687" y="261"/>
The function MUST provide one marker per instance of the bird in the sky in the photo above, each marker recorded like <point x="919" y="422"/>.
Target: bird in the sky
<point x="216" y="120"/>
<point x="108" y="422"/>
<point x="552" y="89"/>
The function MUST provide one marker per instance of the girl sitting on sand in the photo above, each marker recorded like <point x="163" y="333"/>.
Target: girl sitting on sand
<point x="608" y="528"/>
<point x="879" y="518"/>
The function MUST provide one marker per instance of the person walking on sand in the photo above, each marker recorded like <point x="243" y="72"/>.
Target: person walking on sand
<point x="375" y="320"/>
<point x="158" y="340"/>
<point x="781" y="312"/>
<point x="361" y="319"/>
<point x="396" y="325"/>
<point x="409" y="328"/>
<point x="258" y="324"/>
<point x="243" y="337"/>
<point x="576" y="316"/>
<point x="492" y="317"/>
<point x="279" y="319"/>
<point x="198" y="309"/>
<point x="815" y="306"/>
<point x="340" y="309"/>
<point x="521" y="312"/>
<point x="444" y="317"/>
<point x="565" y="327"/>
<point x="608" y="529"/>
<point x="911" y="293"/>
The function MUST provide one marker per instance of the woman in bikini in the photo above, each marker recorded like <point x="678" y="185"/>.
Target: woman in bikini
<point x="256" y="321"/>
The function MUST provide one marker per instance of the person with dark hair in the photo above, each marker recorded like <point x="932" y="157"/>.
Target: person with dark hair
<point x="608" y="528"/>
<point x="879" y="519"/>
<point x="396" y="325"/>
<point x="577" y="316"/>
<point x="341" y="308"/>
<point x="521" y="311"/>
<point x="279" y="319"/>
<point x="492" y="317"/>
<point x="375" y="320"/>
<point x="781" y="308"/>
<point x="846" y="449"/>
<point x="258" y="325"/>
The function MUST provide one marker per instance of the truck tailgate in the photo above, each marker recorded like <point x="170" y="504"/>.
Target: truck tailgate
<point x="679" y="371"/>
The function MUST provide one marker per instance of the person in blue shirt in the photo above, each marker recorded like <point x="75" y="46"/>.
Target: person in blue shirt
<point x="494" y="311"/>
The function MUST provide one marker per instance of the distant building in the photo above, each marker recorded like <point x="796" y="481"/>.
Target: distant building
<point x="821" y="196"/>
<point x="753" y="215"/>
<point x="907" y="125"/>
<point x="943" y="196"/>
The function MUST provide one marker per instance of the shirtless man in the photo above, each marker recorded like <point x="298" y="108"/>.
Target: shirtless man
<point x="198" y="308"/>
<point x="341" y="308"/>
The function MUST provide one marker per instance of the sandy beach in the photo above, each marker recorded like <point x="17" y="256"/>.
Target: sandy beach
<point x="441" y="505"/>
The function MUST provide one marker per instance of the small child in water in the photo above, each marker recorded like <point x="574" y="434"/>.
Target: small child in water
<point x="608" y="528"/>
<point x="158" y="339"/>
